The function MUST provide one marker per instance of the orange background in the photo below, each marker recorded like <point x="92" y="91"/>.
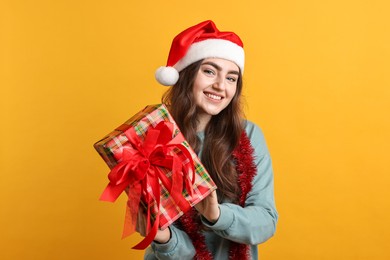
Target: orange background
<point x="316" y="80"/>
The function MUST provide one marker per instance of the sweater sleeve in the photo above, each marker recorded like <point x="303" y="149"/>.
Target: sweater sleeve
<point x="178" y="247"/>
<point x="256" y="221"/>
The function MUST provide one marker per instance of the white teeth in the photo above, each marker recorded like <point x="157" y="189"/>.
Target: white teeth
<point x="213" y="96"/>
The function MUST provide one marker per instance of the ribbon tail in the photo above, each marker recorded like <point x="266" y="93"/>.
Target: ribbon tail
<point x="152" y="234"/>
<point x="149" y="238"/>
<point x="112" y="192"/>
<point x="188" y="170"/>
<point x="132" y="208"/>
<point x="175" y="187"/>
<point x="188" y="167"/>
<point x="177" y="175"/>
<point x="189" y="185"/>
<point x="129" y="225"/>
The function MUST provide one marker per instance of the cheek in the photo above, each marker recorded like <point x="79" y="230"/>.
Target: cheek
<point x="196" y="89"/>
<point x="197" y="84"/>
<point x="232" y="91"/>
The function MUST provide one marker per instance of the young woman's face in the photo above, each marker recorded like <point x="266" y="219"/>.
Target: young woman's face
<point x="215" y="86"/>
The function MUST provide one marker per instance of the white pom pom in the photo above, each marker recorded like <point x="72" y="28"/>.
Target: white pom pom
<point x="167" y="76"/>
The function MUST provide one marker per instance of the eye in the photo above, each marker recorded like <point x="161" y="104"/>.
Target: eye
<point x="209" y="71"/>
<point x="232" y="79"/>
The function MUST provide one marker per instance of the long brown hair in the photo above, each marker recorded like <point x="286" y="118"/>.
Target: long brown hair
<point x="221" y="134"/>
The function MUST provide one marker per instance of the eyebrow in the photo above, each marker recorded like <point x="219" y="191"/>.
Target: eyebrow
<point x="219" y="68"/>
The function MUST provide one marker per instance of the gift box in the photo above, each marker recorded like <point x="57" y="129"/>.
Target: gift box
<point x="150" y="159"/>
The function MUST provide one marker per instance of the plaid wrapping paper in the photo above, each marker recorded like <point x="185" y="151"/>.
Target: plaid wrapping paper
<point x="110" y="146"/>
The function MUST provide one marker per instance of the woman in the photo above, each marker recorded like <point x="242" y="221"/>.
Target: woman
<point x="205" y="69"/>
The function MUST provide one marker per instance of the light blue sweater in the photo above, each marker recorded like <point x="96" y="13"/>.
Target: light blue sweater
<point x="253" y="224"/>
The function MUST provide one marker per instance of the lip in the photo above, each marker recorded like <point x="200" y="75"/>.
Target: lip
<point x="210" y="94"/>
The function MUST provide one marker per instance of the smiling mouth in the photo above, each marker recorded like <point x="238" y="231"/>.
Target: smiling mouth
<point x="212" y="96"/>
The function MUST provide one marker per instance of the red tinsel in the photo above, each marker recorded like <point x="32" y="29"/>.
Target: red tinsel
<point x="246" y="169"/>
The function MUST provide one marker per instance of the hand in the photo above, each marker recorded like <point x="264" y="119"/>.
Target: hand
<point x="209" y="207"/>
<point x="161" y="237"/>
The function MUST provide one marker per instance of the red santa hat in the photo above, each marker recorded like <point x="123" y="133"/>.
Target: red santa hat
<point x="199" y="42"/>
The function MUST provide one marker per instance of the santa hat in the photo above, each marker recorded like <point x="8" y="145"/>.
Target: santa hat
<point x="199" y="42"/>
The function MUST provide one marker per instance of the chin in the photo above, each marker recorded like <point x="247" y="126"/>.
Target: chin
<point x="214" y="112"/>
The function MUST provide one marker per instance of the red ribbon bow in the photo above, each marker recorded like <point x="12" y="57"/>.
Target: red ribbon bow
<point x="141" y="167"/>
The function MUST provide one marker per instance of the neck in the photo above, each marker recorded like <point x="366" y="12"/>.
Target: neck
<point x="203" y="120"/>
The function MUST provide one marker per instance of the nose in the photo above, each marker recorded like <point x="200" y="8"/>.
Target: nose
<point x="219" y="83"/>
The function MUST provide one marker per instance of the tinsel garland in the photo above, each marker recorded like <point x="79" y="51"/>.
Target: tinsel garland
<point x="243" y="156"/>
